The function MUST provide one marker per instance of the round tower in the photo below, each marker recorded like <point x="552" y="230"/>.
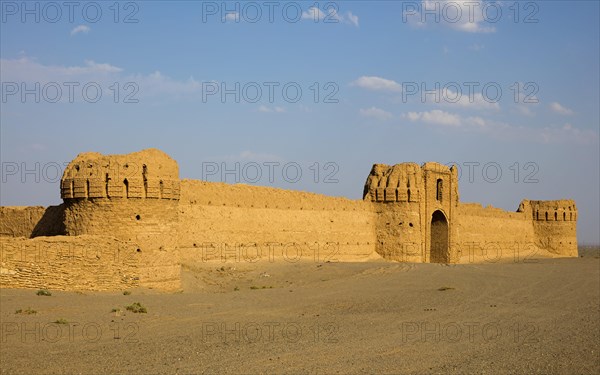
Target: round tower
<point x="132" y="197"/>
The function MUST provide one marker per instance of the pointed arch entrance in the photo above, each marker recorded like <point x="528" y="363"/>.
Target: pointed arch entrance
<point x="439" y="249"/>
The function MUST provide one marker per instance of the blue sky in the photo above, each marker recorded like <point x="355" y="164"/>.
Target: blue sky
<point x="373" y="58"/>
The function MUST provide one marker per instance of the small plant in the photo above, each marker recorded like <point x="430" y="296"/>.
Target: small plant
<point x="44" y="292"/>
<point x="236" y="289"/>
<point x="254" y="287"/>
<point x="136" y="307"/>
<point x="61" y="321"/>
<point x="126" y="293"/>
<point x="27" y="311"/>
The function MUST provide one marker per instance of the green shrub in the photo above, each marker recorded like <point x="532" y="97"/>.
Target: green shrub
<point x="27" y="311"/>
<point x="136" y="307"/>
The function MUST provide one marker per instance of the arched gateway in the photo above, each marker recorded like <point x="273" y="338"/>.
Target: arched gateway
<point x="439" y="252"/>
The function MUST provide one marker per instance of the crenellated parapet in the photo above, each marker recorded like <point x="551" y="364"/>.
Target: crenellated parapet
<point x="554" y="225"/>
<point x="554" y="210"/>
<point x="398" y="183"/>
<point x="413" y="203"/>
<point x="148" y="174"/>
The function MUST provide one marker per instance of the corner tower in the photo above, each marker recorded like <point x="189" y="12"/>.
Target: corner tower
<point x="554" y="225"/>
<point x="133" y="197"/>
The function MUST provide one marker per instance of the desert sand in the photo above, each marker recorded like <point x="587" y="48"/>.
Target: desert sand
<point x="539" y="317"/>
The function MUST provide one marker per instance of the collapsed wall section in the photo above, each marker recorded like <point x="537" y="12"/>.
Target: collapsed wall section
<point x="19" y="221"/>
<point x="32" y="221"/>
<point x="240" y="222"/>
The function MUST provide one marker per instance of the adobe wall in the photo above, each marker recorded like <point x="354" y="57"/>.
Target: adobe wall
<point x="489" y="234"/>
<point x="409" y="213"/>
<point x="19" y="221"/>
<point x="83" y="263"/>
<point x="492" y="234"/>
<point x="32" y="221"/>
<point x="240" y="222"/>
<point x="151" y="223"/>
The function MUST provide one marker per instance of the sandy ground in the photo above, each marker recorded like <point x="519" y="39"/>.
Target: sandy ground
<point x="376" y="317"/>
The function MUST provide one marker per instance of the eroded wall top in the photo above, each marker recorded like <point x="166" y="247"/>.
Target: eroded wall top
<point x="399" y="183"/>
<point x="551" y="210"/>
<point x="148" y="173"/>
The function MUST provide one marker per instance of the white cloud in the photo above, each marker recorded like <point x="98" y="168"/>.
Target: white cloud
<point x="375" y="113"/>
<point x="27" y="70"/>
<point x="313" y="13"/>
<point x="525" y="110"/>
<point x="464" y="100"/>
<point x="504" y="131"/>
<point x="567" y="134"/>
<point x="330" y="15"/>
<point x="157" y="83"/>
<point x="352" y="19"/>
<point x="80" y="29"/>
<point x="233" y="17"/>
<point x="460" y="15"/>
<point x="435" y="117"/>
<point x="560" y="109"/>
<point x="104" y="68"/>
<point x="266" y="109"/>
<point x="447" y="119"/>
<point x="377" y="84"/>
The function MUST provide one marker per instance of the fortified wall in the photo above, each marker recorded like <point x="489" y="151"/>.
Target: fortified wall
<point x="421" y="219"/>
<point x="128" y="220"/>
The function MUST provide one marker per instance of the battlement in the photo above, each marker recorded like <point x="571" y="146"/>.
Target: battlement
<point x="402" y="182"/>
<point x="398" y="183"/>
<point x="555" y="210"/>
<point x="148" y="174"/>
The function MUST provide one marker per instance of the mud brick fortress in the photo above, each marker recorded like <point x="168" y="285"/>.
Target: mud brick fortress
<point x="128" y="221"/>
